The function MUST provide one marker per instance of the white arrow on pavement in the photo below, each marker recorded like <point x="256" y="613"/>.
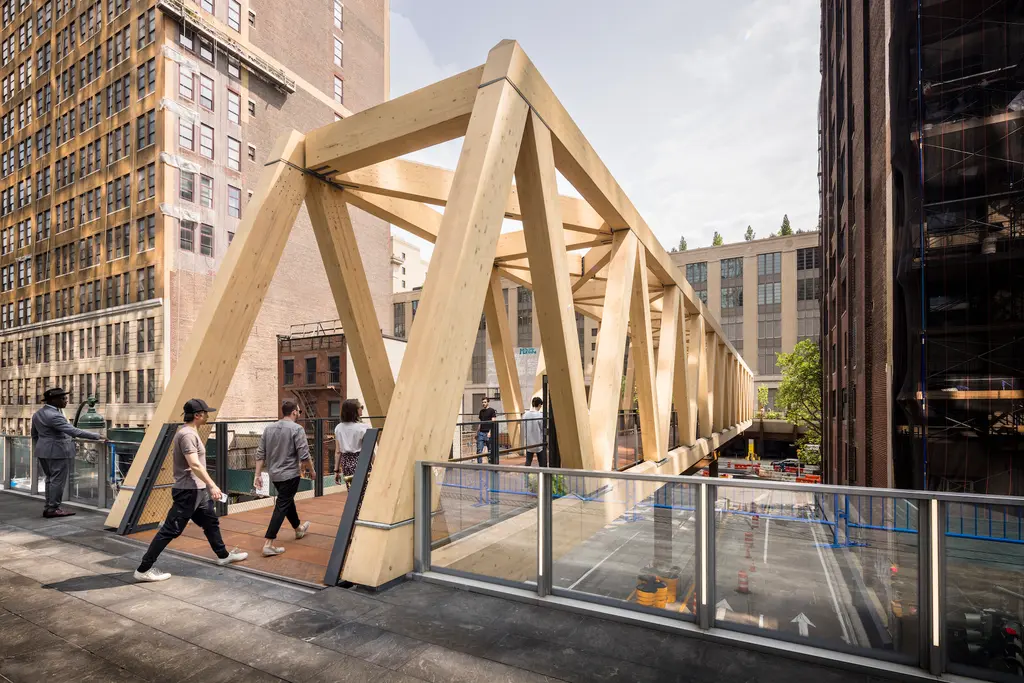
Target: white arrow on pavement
<point x="721" y="608"/>
<point x="802" y="622"/>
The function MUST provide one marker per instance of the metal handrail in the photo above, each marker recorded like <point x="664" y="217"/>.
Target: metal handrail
<point x="984" y="499"/>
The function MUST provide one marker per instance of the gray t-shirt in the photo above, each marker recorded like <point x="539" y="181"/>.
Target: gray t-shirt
<point x="186" y="440"/>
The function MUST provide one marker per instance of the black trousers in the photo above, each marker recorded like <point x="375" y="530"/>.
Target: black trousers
<point x="285" y="506"/>
<point x="189" y="504"/>
<point x="542" y="458"/>
<point x="56" y="472"/>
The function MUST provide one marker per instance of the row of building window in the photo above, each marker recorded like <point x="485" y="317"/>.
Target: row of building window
<point x="37" y="350"/>
<point x="115" y="387"/>
<point x="89" y="67"/>
<point x="19" y="313"/>
<point x="206" y="147"/>
<point x="187" y="192"/>
<point x="310" y="377"/>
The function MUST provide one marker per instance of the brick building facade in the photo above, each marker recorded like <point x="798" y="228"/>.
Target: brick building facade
<point x="169" y="108"/>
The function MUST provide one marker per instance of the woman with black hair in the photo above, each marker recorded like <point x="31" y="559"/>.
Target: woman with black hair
<point x="349" y="437"/>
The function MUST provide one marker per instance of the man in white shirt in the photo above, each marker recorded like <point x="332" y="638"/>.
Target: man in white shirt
<point x="534" y="423"/>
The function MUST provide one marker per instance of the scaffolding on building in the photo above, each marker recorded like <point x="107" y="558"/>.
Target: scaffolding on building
<point x="959" y="246"/>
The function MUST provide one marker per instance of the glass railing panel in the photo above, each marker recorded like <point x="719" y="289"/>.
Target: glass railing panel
<point x="833" y="571"/>
<point x="625" y="541"/>
<point x="86" y="475"/>
<point x="21" y="462"/>
<point x="984" y="591"/>
<point x="484" y="523"/>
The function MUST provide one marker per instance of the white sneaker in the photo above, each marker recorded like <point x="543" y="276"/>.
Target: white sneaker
<point x="270" y="551"/>
<point x="151" y="574"/>
<point x="234" y="556"/>
<point x="302" y="530"/>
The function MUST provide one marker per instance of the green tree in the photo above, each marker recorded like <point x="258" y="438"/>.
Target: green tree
<point x="799" y="393"/>
<point x="717" y="240"/>
<point x="786" y="229"/>
<point x="749" y="235"/>
<point x="682" y="244"/>
<point x="762" y="397"/>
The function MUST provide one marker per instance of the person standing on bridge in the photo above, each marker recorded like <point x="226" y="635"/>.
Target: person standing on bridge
<point x="193" y="492"/>
<point x="348" y="436"/>
<point x="285" y="450"/>
<point x="534" y="421"/>
<point x="52" y="445"/>
<point x="483" y="433"/>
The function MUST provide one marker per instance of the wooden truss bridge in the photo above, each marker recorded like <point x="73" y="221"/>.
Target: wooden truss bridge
<point x="595" y="256"/>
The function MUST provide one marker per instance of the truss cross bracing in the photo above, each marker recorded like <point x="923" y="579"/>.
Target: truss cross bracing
<point x="594" y="255"/>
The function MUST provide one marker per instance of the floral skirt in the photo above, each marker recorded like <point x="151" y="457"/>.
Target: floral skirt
<point x="348" y="464"/>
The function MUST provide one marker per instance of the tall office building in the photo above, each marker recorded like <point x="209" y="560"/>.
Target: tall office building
<point x="766" y="293"/>
<point x="131" y="133"/>
<point x="922" y="200"/>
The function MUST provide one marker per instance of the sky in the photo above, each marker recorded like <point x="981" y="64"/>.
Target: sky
<point x="704" y="112"/>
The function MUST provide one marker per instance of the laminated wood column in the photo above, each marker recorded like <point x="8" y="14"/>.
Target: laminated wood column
<point x="536" y="183"/>
<point x="607" y="383"/>
<point x="336" y="238"/>
<point x="431" y="380"/>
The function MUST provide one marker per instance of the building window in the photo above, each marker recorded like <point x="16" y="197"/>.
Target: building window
<point x="252" y="152"/>
<point x="206" y="191"/>
<point x="206" y="141"/>
<point x="206" y="92"/>
<point x="339" y="90"/>
<point x="234" y="107"/>
<point x="769" y="294"/>
<point x="235" y="15"/>
<point x="187" y="236"/>
<point x="234" y="154"/>
<point x="769" y="264"/>
<point x="234" y="68"/>
<point x="339" y="15"/>
<point x="732" y="268"/>
<point x="234" y="202"/>
<point x="206" y="50"/>
<point x="339" y="51"/>
<point x="252" y="108"/>
<point x="399" y="315"/>
<point x="310" y="371"/>
<point x="186" y="84"/>
<point x="252" y="18"/>
<point x="187" y="186"/>
<point x="334" y="369"/>
<point x="150" y="386"/>
<point x="696" y="273"/>
<point x="206" y="240"/>
<point x="732" y="297"/>
<point x="208" y="6"/>
<point x="808" y="259"/>
<point x="524" y="317"/>
<point x="289" y="371"/>
<point x="186" y="135"/>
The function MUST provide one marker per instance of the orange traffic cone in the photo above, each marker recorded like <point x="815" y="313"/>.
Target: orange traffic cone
<point x="742" y="585"/>
<point x="753" y="568"/>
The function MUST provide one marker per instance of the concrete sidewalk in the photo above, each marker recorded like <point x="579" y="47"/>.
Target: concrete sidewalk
<point x="69" y="611"/>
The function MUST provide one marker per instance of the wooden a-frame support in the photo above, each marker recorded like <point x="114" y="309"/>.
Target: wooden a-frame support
<point x="514" y="129"/>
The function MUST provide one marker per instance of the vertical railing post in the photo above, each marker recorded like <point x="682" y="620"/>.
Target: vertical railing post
<point x="544" y="544"/>
<point x="318" y="450"/>
<point x="101" y="475"/>
<point x="421" y="520"/>
<point x="5" y="454"/>
<point x="547" y="411"/>
<point x="931" y="588"/>
<point x="33" y="471"/>
<point x="705" y="555"/>
<point x="220" y="466"/>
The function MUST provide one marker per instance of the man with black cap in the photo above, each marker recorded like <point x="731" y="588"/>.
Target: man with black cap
<point x="52" y="444"/>
<point x="194" y="493"/>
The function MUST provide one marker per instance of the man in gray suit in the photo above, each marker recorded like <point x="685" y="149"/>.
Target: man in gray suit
<point x="52" y="444"/>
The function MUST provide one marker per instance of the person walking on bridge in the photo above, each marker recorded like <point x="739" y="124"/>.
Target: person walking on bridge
<point x="193" y="493"/>
<point x="284" y="450"/>
<point x="52" y="445"/>
<point x="534" y="421"/>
